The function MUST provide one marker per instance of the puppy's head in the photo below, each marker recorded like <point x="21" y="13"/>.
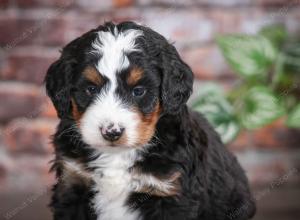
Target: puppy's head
<point x="116" y="81"/>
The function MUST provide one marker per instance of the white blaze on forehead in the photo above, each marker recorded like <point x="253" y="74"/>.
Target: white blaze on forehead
<point x="108" y="108"/>
<point x="113" y="47"/>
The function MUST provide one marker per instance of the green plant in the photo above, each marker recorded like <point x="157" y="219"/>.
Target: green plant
<point x="268" y="87"/>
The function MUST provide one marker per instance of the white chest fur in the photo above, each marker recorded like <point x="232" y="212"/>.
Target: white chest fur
<point x="113" y="184"/>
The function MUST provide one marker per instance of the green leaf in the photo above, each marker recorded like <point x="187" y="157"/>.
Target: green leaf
<point x="291" y="54"/>
<point x="275" y="33"/>
<point x="209" y="92"/>
<point x="228" y="130"/>
<point x="278" y="69"/>
<point x="260" y="107"/>
<point x="248" y="55"/>
<point x="213" y="105"/>
<point x="293" y="119"/>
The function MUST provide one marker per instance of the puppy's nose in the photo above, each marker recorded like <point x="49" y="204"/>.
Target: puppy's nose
<point x="112" y="132"/>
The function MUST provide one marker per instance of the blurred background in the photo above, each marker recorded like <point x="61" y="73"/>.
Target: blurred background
<point x="245" y="57"/>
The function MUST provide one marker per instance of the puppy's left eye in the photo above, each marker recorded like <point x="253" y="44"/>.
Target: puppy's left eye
<point x="138" y="91"/>
<point x="91" y="90"/>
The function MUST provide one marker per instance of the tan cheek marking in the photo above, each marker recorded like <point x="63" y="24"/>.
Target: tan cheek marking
<point x="75" y="112"/>
<point x="134" y="76"/>
<point x="93" y="75"/>
<point x="147" y="125"/>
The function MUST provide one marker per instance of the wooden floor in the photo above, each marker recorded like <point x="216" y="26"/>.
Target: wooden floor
<point x="275" y="204"/>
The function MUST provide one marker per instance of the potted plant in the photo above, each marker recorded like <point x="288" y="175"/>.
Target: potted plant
<point x="268" y="85"/>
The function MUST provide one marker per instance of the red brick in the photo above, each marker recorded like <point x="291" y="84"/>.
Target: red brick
<point x="123" y="3"/>
<point x="3" y="172"/>
<point x="226" y="21"/>
<point x="28" y="64"/>
<point x="185" y="27"/>
<point x="275" y="2"/>
<point x="195" y="2"/>
<point x="6" y="165"/>
<point x="9" y="31"/>
<point x="4" y="3"/>
<point x="242" y="142"/>
<point x="206" y="62"/>
<point x="95" y="5"/>
<point x="26" y="136"/>
<point x="40" y="27"/>
<point x="165" y="2"/>
<point x="29" y="173"/>
<point x="127" y="14"/>
<point x="78" y="24"/>
<point x="266" y="166"/>
<point x="19" y="100"/>
<point x="48" y="109"/>
<point x="16" y="31"/>
<point x="292" y="22"/>
<point x="273" y="136"/>
<point x="276" y="136"/>
<point x="54" y="30"/>
<point x="43" y="3"/>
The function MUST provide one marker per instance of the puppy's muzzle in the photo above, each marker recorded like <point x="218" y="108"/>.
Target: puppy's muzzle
<point x="112" y="132"/>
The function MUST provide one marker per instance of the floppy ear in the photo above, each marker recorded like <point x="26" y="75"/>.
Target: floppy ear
<point x="177" y="80"/>
<point x="58" y="86"/>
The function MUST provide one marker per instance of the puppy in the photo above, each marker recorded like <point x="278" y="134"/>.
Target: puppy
<point x="127" y="147"/>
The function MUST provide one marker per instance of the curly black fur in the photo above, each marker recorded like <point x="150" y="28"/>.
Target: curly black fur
<point x="213" y="186"/>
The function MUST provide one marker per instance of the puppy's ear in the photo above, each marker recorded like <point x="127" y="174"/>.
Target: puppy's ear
<point x="58" y="86"/>
<point x="177" y="80"/>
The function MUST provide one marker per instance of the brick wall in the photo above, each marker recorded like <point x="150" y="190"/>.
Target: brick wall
<point x="33" y="31"/>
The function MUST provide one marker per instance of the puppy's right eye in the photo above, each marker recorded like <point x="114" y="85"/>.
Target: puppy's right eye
<point x="138" y="91"/>
<point x="91" y="90"/>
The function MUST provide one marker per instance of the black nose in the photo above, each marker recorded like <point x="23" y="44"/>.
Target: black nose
<point x="112" y="132"/>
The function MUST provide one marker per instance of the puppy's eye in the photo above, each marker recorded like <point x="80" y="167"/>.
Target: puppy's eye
<point x="138" y="91"/>
<point x="91" y="90"/>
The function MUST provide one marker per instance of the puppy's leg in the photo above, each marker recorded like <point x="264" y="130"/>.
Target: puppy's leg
<point x="72" y="195"/>
<point x="71" y="203"/>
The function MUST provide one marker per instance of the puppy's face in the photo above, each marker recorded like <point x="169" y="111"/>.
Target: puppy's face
<point x="116" y="82"/>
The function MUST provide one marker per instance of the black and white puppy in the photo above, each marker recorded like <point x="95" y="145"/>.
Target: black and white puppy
<point x="127" y="146"/>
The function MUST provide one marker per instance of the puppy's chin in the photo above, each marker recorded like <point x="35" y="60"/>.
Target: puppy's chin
<point x="113" y="149"/>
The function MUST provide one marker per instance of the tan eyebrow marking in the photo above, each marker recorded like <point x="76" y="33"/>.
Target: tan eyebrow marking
<point x="93" y="75"/>
<point x="134" y="76"/>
